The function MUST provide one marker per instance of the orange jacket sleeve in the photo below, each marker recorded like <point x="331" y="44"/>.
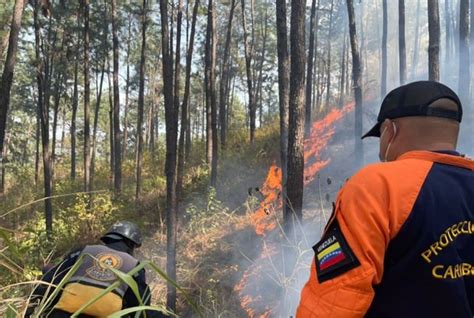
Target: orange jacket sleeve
<point x="369" y="211"/>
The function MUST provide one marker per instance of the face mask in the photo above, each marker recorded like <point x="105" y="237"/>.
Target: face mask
<point x="384" y="159"/>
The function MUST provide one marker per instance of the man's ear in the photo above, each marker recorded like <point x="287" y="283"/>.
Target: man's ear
<point x="386" y="129"/>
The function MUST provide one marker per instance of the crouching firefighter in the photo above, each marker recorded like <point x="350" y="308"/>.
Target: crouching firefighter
<point x="93" y="276"/>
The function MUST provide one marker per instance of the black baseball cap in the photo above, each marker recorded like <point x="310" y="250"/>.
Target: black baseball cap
<point x="414" y="99"/>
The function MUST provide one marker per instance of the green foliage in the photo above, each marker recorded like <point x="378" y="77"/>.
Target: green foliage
<point x="203" y="217"/>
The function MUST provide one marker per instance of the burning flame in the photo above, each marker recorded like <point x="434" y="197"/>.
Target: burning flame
<point x="264" y="221"/>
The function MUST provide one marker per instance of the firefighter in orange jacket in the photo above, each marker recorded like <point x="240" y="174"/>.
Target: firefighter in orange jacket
<point x="400" y="242"/>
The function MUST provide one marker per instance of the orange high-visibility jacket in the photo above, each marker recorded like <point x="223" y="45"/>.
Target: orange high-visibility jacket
<point x="400" y="242"/>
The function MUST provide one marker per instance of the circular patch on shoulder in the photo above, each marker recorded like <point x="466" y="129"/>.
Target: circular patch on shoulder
<point x="100" y="270"/>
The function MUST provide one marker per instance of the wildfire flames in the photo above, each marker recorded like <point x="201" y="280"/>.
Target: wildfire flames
<point x="251" y="298"/>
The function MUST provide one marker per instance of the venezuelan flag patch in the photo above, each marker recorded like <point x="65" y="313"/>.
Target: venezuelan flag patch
<point x="333" y="256"/>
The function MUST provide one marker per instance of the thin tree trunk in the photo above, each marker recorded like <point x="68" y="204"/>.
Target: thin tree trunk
<point x="57" y="100"/>
<point x="141" y="101"/>
<point x="118" y="153"/>
<point x="96" y="122"/>
<point x="212" y="86"/>
<point x="111" y="122"/>
<point x="283" y="86"/>
<point x="343" y="69"/>
<point x="87" y="153"/>
<point x="433" y="49"/>
<point x="127" y="89"/>
<point x="309" y="69"/>
<point x="4" y="161"/>
<point x="225" y="77"/>
<point x="464" y="59"/>
<point x="248" y="68"/>
<point x="75" y="103"/>
<point x="383" y="81"/>
<point x="328" y="76"/>
<point x="171" y="136"/>
<point x="295" y="168"/>
<point x="401" y="41"/>
<point x="8" y="69"/>
<point x="44" y="119"/>
<point x="417" y="42"/>
<point x="356" y="75"/>
<point x="185" y="103"/>
<point x="37" y="140"/>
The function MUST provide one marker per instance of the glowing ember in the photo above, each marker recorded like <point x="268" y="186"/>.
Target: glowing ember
<point x="251" y="297"/>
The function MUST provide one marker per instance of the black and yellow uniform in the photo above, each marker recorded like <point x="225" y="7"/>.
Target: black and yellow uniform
<point x="91" y="278"/>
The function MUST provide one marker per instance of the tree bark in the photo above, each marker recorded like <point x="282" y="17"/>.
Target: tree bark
<point x="356" y="75"/>
<point x="283" y="85"/>
<point x="117" y="146"/>
<point x="185" y="103"/>
<point x="295" y="168"/>
<point x="141" y="102"/>
<point x="434" y="36"/>
<point x="248" y="67"/>
<point x="464" y="59"/>
<point x="127" y="90"/>
<point x="328" y="76"/>
<point x="44" y="120"/>
<point x="4" y="161"/>
<point x="75" y="103"/>
<point x="309" y="69"/>
<point x="8" y="69"/>
<point x="215" y="143"/>
<point x="343" y="69"/>
<point x="171" y="136"/>
<point x="401" y="42"/>
<point x="96" y="122"/>
<point x="383" y="81"/>
<point x="225" y="78"/>
<point x="87" y="153"/>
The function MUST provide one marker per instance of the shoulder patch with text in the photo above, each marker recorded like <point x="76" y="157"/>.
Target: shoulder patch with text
<point x="333" y="255"/>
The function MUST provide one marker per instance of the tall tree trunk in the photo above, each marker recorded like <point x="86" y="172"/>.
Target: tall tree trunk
<point x="127" y="91"/>
<point x="118" y="153"/>
<point x="87" y="153"/>
<point x="417" y="42"/>
<point x="433" y="49"/>
<point x="57" y="100"/>
<point x="185" y="103"/>
<point x="75" y="103"/>
<point x="210" y="91"/>
<point x="295" y="168"/>
<point x="111" y="122"/>
<point x="309" y="69"/>
<point x="171" y="136"/>
<point x="8" y="69"/>
<point x="383" y="85"/>
<point x="225" y="77"/>
<point x="96" y="121"/>
<point x="343" y="69"/>
<point x="37" y="140"/>
<point x="141" y="102"/>
<point x="44" y="119"/>
<point x="328" y="76"/>
<point x="4" y="161"/>
<point x="356" y="75"/>
<point x="401" y="42"/>
<point x="464" y="61"/>
<point x="248" y="67"/>
<point x="283" y="85"/>
<point x="215" y="143"/>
